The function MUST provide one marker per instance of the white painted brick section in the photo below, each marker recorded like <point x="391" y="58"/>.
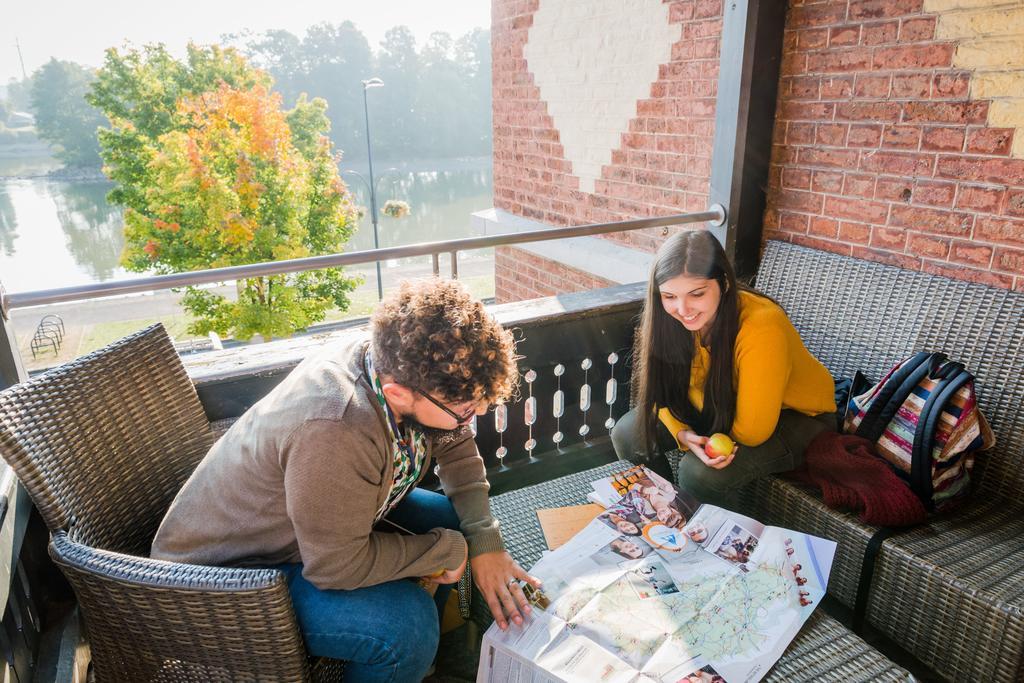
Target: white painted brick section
<point x="601" y="258"/>
<point x="592" y="61"/>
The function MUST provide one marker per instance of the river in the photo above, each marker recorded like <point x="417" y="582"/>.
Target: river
<point x="59" y="233"/>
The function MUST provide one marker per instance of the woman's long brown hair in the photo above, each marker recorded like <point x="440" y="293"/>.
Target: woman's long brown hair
<point x="666" y="348"/>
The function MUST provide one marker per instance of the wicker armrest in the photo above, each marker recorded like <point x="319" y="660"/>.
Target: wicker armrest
<point x="150" y="619"/>
<point x="155" y="574"/>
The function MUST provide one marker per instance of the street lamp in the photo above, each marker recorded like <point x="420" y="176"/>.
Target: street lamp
<point x="367" y="84"/>
<point x="375" y="189"/>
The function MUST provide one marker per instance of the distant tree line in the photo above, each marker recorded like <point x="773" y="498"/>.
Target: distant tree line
<point x="436" y="99"/>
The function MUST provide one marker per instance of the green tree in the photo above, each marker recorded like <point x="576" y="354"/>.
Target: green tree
<point x="436" y="101"/>
<point x="396" y="120"/>
<point x="19" y="94"/>
<point x="338" y="59"/>
<point x="473" y="57"/>
<point x="440" y="98"/>
<point x="139" y="92"/>
<point x="8" y="222"/>
<point x="329" y="62"/>
<point x="212" y="172"/>
<point x="63" y="117"/>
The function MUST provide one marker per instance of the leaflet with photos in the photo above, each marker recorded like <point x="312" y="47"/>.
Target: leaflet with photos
<point x="659" y="588"/>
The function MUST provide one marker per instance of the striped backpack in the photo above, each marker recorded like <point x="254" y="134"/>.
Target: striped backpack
<point x="924" y="419"/>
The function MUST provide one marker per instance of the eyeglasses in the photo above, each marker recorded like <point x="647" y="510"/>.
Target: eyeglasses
<point x="460" y="419"/>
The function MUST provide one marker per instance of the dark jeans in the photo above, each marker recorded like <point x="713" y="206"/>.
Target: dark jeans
<point x="387" y="632"/>
<point x="783" y="451"/>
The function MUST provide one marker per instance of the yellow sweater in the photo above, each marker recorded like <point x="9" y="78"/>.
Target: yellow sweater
<point x="772" y="370"/>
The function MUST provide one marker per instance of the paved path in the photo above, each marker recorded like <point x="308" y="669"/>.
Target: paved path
<point x="79" y="316"/>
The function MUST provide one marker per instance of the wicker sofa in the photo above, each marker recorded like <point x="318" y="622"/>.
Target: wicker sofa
<point x="951" y="591"/>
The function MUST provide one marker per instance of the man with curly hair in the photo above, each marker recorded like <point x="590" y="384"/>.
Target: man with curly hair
<point x="319" y="479"/>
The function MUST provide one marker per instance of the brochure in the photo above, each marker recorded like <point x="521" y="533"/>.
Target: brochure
<point x="658" y="588"/>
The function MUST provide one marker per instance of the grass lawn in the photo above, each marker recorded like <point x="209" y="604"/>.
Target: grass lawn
<point x="364" y="299"/>
<point x="99" y="335"/>
<point x="86" y="338"/>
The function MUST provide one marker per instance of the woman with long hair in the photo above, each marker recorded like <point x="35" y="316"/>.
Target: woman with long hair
<point x="718" y="356"/>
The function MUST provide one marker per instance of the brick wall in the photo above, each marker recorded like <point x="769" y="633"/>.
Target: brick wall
<point x="657" y="156"/>
<point x="520" y="275"/>
<point x="899" y="135"/>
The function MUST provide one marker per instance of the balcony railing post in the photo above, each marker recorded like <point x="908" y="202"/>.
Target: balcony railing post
<point x="435" y="261"/>
<point x="751" y="48"/>
<point x="455" y="265"/>
<point x="12" y="370"/>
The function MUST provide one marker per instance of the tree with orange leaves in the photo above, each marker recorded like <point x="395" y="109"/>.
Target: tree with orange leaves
<point x="212" y="173"/>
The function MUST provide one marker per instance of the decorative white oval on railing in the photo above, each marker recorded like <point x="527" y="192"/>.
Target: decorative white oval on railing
<point x="585" y="397"/>
<point x="530" y="411"/>
<point x="611" y="390"/>
<point x="558" y="405"/>
<point x="500" y="418"/>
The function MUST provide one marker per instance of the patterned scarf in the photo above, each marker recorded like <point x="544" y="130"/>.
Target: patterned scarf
<point x="409" y="453"/>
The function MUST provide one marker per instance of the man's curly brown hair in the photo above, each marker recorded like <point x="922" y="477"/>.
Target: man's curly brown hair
<point x="433" y="336"/>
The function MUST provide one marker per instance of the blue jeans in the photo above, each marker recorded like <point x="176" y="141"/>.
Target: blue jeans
<point x="387" y="632"/>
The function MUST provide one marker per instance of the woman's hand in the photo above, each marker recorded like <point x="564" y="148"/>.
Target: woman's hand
<point x="695" y="442"/>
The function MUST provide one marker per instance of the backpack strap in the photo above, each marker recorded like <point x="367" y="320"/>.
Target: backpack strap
<point x="867" y="571"/>
<point x="894" y="392"/>
<point x="924" y="435"/>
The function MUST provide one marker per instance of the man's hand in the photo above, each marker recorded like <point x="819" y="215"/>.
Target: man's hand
<point x="496" y="575"/>
<point x="695" y="442"/>
<point x="448" y="575"/>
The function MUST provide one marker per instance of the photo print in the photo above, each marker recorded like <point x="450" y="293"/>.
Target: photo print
<point x="737" y="545"/>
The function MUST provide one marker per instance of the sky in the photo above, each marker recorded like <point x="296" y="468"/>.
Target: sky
<point x="79" y="30"/>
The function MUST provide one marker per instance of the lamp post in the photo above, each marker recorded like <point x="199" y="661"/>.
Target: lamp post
<point x="374" y="189"/>
<point x="367" y="84"/>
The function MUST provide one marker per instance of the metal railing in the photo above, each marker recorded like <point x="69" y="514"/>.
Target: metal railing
<point x="715" y="215"/>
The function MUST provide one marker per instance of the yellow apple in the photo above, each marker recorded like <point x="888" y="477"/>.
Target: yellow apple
<point x="719" y="444"/>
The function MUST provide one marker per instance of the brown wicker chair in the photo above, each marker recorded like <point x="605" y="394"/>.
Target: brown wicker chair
<point x="102" y="445"/>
